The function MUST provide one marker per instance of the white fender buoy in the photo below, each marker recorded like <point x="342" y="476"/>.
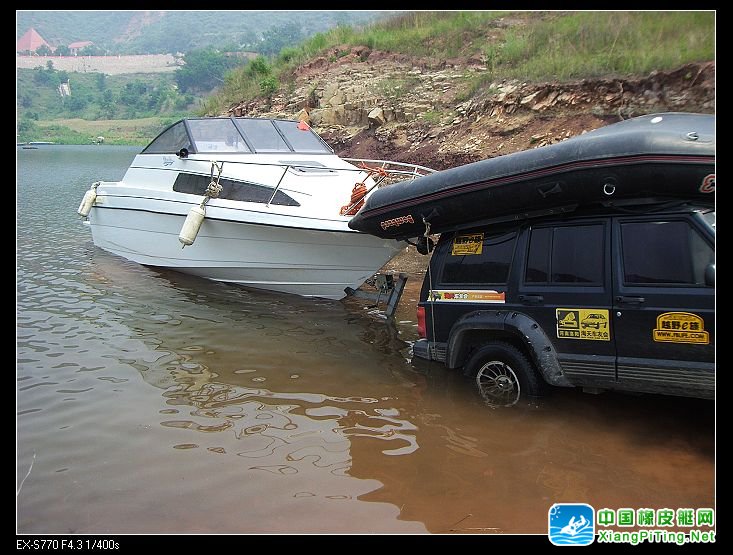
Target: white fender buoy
<point x="191" y="226"/>
<point x="87" y="202"/>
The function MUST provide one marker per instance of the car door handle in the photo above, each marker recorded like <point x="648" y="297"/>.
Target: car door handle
<point x="632" y="300"/>
<point x="531" y="299"/>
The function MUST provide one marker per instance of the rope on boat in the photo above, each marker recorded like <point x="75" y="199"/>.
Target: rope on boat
<point x="427" y="228"/>
<point x="431" y="295"/>
<point x="360" y="191"/>
<point x="357" y="200"/>
<point x="214" y="188"/>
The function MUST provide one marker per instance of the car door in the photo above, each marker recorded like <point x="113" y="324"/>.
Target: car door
<point x="565" y="286"/>
<point x="469" y="272"/>
<point x="664" y="311"/>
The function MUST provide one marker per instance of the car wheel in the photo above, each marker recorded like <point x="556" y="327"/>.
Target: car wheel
<point x="503" y="374"/>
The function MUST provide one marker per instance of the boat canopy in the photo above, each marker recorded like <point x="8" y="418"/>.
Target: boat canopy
<point x="238" y="135"/>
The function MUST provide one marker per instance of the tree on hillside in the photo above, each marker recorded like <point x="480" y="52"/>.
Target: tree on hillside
<point x="248" y="39"/>
<point x="27" y="130"/>
<point x="46" y="76"/>
<point x="92" y="50"/>
<point x="107" y="105"/>
<point x="204" y="69"/>
<point x="277" y="38"/>
<point x="132" y="93"/>
<point x="62" y="50"/>
<point x="78" y="102"/>
<point x="43" y="50"/>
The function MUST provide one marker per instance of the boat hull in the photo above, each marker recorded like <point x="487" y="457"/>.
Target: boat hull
<point x="634" y="162"/>
<point x="258" y="202"/>
<point x="307" y="262"/>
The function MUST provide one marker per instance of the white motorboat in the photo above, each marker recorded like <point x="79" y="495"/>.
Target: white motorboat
<point x="264" y="203"/>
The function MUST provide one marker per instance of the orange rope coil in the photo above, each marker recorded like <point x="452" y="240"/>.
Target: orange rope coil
<point x="360" y="191"/>
<point x="357" y="200"/>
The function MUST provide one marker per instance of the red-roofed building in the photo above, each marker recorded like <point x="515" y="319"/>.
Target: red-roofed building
<point x="30" y="41"/>
<point x="74" y="47"/>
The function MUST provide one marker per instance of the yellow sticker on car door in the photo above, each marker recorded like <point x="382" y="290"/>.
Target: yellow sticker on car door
<point x="591" y="324"/>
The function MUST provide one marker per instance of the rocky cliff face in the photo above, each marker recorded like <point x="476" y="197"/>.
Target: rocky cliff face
<point x="371" y="104"/>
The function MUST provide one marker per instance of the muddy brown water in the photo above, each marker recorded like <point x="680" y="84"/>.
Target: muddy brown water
<point x="153" y="402"/>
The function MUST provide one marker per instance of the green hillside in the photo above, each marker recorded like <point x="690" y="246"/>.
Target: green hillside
<point x="98" y="96"/>
<point x="532" y="46"/>
<point x="94" y="96"/>
<point x="162" y="32"/>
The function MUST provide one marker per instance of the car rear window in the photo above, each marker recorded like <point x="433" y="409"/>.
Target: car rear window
<point x="478" y="258"/>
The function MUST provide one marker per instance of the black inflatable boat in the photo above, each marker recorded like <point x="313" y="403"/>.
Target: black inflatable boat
<point x="650" y="159"/>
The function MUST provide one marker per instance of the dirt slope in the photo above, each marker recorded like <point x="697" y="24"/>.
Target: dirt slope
<point x="372" y="104"/>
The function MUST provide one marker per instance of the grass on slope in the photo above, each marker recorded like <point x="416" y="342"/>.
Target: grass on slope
<point x="533" y="46"/>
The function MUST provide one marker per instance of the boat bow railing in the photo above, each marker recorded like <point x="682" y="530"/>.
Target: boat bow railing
<point x="404" y="170"/>
<point x="382" y="172"/>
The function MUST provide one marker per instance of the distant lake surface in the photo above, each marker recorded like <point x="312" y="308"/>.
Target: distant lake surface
<point x="153" y="402"/>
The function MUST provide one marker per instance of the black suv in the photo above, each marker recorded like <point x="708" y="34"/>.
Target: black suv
<point x="619" y="300"/>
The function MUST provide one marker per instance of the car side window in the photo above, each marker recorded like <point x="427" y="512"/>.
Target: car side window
<point x="567" y="254"/>
<point x="479" y="258"/>
<point x="664" y="252"/>
<point x="538" y="258"/>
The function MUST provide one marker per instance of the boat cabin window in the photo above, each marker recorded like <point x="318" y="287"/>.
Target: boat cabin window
<point x="195" y="184"/>
<point x="170" y="141"/>
<point x="216" y="135"/>
<point x="301" y="138"/>
<point x="262" y="135"/>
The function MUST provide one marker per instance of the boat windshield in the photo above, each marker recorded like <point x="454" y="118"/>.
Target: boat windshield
<point x="216" y="135"/>
<point x="170" y="141"/>
<point x="237" y="135"/>
<point x="301" y="138"/>
<point x="262" y="135"/>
